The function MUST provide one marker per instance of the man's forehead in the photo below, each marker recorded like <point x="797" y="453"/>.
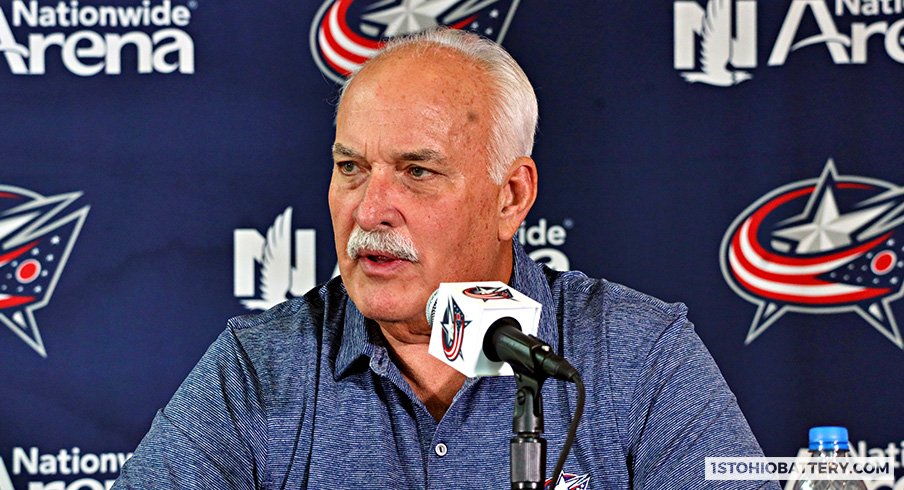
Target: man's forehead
<point x="411" y="73"/>
<point x="414" y="108"/>
<point x="425" y="58"/>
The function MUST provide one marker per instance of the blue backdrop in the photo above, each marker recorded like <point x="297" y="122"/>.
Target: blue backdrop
<point x="743" y="157"/>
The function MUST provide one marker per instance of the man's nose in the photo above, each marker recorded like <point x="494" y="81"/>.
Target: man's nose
<point x="377" y="207"/>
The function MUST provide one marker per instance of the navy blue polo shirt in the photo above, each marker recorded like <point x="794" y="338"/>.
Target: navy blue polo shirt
<point x="307" y="396"/>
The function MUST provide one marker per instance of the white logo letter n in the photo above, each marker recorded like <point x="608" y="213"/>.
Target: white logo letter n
<point x="278" y="278"/>
<point x="714" y="26"/>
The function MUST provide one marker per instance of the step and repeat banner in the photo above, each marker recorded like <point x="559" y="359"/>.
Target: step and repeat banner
<point x="164" y="166"/>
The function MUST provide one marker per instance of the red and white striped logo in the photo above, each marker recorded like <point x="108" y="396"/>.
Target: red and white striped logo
<point x="346" y="33"/>
<point x="825" y="245"/>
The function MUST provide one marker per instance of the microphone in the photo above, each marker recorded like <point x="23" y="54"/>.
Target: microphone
<point x="488" y="329"/>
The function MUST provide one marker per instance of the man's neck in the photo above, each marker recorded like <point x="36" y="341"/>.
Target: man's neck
<point x="434" y="382"/>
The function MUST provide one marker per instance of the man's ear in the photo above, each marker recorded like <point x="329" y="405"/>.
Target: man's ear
<point x="516" y="196"/>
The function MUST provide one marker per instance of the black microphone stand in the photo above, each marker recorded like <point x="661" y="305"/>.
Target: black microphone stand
<point x="527" y="446"/>
<point x="533" y="361"/>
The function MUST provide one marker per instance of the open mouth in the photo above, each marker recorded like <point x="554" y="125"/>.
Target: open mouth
<point x="377" y="256"/>
<point x="380" y="258"/>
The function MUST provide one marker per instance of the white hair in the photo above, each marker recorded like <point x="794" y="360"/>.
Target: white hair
<point x="514" y="110"/>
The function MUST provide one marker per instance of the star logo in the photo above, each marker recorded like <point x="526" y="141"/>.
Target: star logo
<point x="35" y="242"/>
<point x="409" y="17"/>
<point x="569" y="481"/>
<point x="820" y="246"/>
<point x="825" y="228"/>
<point x="346" y="33"/>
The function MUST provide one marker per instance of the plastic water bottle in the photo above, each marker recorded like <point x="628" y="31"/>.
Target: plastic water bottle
<point x="828" y="444"/>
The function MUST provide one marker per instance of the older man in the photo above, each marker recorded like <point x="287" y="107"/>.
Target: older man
<point x="336" y="389"/>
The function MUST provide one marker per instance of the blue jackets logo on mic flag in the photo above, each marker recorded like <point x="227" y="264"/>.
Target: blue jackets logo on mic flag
<point x="35" y="242"/>
<point x="826" y="245"/>
<point x="488" y="293"/>
<point x="454" y="324"/>
<point x="346" y="33"/>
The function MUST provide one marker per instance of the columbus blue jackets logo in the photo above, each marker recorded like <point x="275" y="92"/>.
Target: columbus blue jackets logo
<point x="454" y="324"/>
<point x="346" y="33"/>
<point x="827" y="245"/>
<point x="569" y="481"/>
<point x="488" y="293"/>
<point x="36" y="238"/>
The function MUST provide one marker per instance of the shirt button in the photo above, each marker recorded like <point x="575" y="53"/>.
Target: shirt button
<point x="440" y="450"/>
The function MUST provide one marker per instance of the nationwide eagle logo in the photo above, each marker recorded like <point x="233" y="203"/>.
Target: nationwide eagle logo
<point x="276" y="265"/>
<point x="35" y="242"/>
<point x="487" y="293"/>
<point x="716" y="48"/>
<point x="346" y="33"/>
<point x="454" y="324"/>
<point x="827" y="245"/>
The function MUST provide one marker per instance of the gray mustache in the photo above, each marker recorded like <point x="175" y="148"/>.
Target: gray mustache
<point x="386" y="241"/>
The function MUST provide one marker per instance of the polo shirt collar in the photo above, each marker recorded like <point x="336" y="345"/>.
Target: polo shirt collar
<point x="355" y="341"/>
<point x="529" y="278"/>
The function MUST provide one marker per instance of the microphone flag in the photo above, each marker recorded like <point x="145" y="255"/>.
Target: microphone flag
<point x="460" y="313"/>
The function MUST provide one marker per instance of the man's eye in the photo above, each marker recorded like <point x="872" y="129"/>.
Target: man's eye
<point x="347" y="168"/>
<point x="419" y="172"/>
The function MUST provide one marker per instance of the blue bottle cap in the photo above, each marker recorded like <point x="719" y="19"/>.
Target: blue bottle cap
<point x="828" y="438"/>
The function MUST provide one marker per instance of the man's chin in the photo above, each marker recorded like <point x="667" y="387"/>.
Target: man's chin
<point x="387" y="302"/>
<point x="387" y="316"/>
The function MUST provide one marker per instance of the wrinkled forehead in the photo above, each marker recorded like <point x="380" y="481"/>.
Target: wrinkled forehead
<point x="418" y="78"/>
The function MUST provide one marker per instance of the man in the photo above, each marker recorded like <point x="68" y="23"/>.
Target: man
<point x="432" y="178"/>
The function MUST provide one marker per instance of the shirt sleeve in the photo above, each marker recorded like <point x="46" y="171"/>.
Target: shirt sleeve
<point x="211" y="434"/>
<point x="682" y="411"/>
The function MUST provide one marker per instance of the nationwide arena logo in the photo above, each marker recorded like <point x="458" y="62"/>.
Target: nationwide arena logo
<point x="36" y="239"/>
<point x="90" y="39"/>
<point x="727" y="35"/>
<point x="273" y="268"/>
<point x="64" y="469"/>
<point x="346" y="33"/>
<point x="820" y="246"/>
<point x="544" y="241"/>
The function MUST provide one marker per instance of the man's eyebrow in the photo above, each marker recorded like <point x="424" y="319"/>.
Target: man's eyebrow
<point x="342" y="150"/>
<point x="422" y="155"/>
